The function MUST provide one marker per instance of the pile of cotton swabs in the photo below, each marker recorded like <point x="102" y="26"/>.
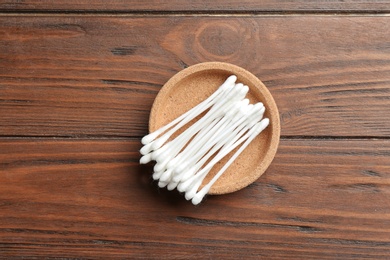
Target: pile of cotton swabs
<point x="230" y="121"/>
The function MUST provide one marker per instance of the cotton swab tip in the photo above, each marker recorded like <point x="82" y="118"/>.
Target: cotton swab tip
<point x="172" y="185"/>
<point x="158" y="167"/>
<point x="146" y="149"/>
<point x="145" y="159"/>
<point x="229" y="82"/>
<point x="157" y="175"/>
<point x="200" y="195"/>
<point x="263" y="124"/>
<point x="162" y="184"/>
<point x="149" y="138"/>
<point x="183" y="186"/>
<point x="190" y="194"/>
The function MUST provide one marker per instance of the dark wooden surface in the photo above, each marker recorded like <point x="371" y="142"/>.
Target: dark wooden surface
<point x="77" y="81"/>
<point x="232" y="6"/>
<point x="95" y="76"/>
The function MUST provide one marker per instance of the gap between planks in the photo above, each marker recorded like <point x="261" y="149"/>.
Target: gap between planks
<point x="202" y="13"/>
<point x="127" y="138"/>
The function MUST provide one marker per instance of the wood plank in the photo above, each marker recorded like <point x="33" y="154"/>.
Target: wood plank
<point x="197" y="5"/>
<point x="319" y="199"/>
<point x="98" y="76"/>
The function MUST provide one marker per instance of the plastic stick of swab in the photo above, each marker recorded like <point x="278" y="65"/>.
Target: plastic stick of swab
<point x="254" y="120"/>
<point x="182" y="158"/>
<point x="226" y="139"/>
<point x="230" y="137"/>
<point x="189" y="178"/>
<point x="197" y="148"/>
<point x="170" y="150"/>
<point x="232" y="95"/>
<point x="165" y="177"/>
<point x="184" y="137"/>
<point x="191" y="114"/>
<point x="199" y="196"/>
<point x="258" y="129"/>
<point x="211" y="114"/>
<point x="192" y="180"/>
<point x="191" y="191"/>
<point x="194" y="154"/>
<point x="215" y="111"/>
<point x="160" y="167"/>
<point x="152" y="145"/>
<point x="147" y="149"/>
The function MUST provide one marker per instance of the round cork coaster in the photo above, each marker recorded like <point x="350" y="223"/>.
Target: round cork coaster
<point x="194" y="84"/>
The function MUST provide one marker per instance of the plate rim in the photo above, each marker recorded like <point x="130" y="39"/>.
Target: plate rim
<point x="258" y="84"/>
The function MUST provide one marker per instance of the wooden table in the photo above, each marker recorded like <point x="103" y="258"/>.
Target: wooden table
<point x="77" y="81"/>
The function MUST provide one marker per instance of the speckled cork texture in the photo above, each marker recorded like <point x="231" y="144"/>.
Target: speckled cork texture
<point x="191" y="86"/>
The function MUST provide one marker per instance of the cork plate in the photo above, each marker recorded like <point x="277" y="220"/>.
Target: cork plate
<point x="191" y="86"/>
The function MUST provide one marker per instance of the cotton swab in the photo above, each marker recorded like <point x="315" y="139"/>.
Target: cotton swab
<point x="195" y="180"/>
<point x="191" y="114"/>
<point x="229" y="122"/>
<point x="215" y="142"/>
<point x="232" y="95"/>
<point x="163" y="159"/>
<point x="198" y="178"/>
<point x="226" y="139"/>
<point x="192" y="152"/>
<point x="259" y="127"/>
<point x="214" y="112"/>
<point x="187" y="134"/>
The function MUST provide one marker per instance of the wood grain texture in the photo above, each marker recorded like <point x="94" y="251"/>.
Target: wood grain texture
<point x="83" y="76"/>
<point x="90" y="199"/>
<point x="196" y="5"/>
